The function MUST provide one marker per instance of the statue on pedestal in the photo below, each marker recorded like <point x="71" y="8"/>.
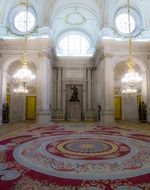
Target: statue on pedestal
<point x="142" y="112"/>
<point x="5" y="113"/>
<point x="99" y="112"/>
<point x="74" y="96"/>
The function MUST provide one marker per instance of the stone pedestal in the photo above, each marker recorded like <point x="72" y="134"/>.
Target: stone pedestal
<point x="58" y="115"/>
<point x="90" y="115"/>
<point x="44" y="116"/>
<point x="107" y="117"/>
<point x="74" y="111"/>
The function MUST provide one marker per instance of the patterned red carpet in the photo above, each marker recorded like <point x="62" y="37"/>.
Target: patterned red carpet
<point x="75" y="158"/>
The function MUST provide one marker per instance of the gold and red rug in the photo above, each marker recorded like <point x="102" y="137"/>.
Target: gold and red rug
<point x="61" y="157"/>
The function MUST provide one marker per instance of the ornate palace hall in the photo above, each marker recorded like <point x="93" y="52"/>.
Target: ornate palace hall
<point x="74" y="95"/>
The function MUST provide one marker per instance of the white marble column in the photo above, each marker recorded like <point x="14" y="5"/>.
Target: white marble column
<point x="148" y="96"/>
<point x="89" y="89"/>
<point x="84" y="93"/>
<point x="94" y="89"/>
<point x="64" y="90"/>
<point x="59" y="115"/>
<point x="54" y="84"/>
<point x="106" y="78"/>
<point x="90" y="115"/>
<point x="59" y="89"/>
<point x="44" y="114"/>
<point x="144" y="87"/>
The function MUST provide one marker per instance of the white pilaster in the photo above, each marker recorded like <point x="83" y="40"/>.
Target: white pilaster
<point x="54" y="91"/>
<point x="58" y="113"/>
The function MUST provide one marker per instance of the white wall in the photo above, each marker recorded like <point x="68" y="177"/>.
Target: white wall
<point x="17" y="108"/>
<point x="129" y="108"/>
<point x="73" y="72"/>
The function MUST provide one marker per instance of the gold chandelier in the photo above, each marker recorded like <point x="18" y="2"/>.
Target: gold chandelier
<point x="131" y="79"/>
<point x="24" y="75"/>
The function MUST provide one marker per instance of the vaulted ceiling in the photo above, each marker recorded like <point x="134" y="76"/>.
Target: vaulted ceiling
<point x="93" y="17"/>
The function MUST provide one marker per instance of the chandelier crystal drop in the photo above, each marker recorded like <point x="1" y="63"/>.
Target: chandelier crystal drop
<point x="21" y="89"/>
<point x="24" y="75"/>
<point x="131" y="79"/>
<point x="129" y="90"/>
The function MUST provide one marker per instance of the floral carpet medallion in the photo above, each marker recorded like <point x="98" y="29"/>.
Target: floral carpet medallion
<point x="62" y="158"/>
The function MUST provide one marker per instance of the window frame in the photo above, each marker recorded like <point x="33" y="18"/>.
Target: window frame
<point x="81" y="34"/>
<point x="13" y="14"/>
<point x="136" y="16"/>
<point x="126" y="28"/>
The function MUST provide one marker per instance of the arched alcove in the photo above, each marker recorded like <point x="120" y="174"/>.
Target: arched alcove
<point x="127" y="106"/>
<point x="17" y="102"/>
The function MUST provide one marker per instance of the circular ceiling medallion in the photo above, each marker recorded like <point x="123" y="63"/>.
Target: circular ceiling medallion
<point x="75" y="18"/>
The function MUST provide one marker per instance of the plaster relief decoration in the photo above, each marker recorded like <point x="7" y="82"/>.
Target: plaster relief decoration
<point x="75" y="18"/>
<point x="99" y="55"/>
<point x="74" y="74"/>
<point x="117" y="91"/>
<point x="32" y="89"/>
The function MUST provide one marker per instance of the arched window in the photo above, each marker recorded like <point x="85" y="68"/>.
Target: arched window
<point x="123" y="25"/>
<point x="20" y="21"/>
<point x="74" y="44"/>
<point x="18" y="17"/>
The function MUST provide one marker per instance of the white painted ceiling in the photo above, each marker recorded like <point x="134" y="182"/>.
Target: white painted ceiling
<point x="93" y="17"/>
